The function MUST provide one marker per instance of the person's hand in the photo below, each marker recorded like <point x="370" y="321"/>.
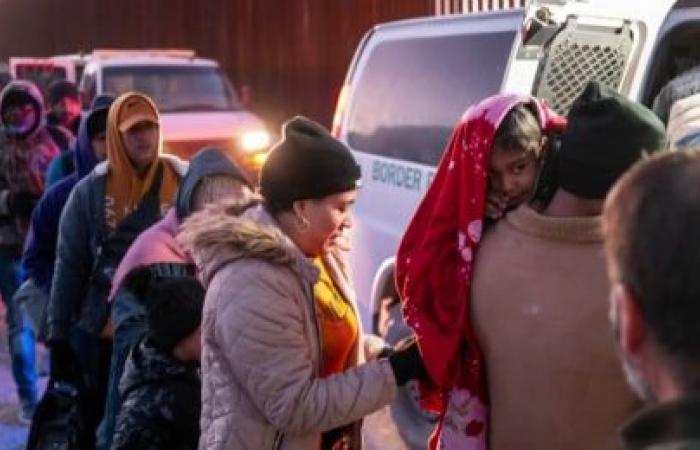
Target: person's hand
<point x="375" y="347"/>
<point x="406" y="361"/>
<point x="496" y="204"/>
<point x="22" y="203"/>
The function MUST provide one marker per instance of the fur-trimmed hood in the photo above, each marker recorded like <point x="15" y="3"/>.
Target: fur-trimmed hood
<point x="226" y="232"/>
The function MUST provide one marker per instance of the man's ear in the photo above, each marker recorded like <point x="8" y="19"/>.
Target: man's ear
<point x="627" y="314"/>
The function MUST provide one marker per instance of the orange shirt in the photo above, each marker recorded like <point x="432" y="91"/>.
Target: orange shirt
<point x="338" y="323"/>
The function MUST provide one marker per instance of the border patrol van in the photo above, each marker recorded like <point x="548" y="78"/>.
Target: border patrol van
<point x="410" y="81"/>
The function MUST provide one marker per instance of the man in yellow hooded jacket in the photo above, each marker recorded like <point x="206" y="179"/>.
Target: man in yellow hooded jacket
<point x="106" y="211"/>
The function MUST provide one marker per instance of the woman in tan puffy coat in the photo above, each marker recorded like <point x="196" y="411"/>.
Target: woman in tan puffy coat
<point x="282" y="360"/>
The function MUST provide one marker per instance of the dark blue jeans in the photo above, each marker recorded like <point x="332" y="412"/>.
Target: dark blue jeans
<point x="22" y="340"/>
<point x="93" y="356"/>
<point x="128" y="317"/>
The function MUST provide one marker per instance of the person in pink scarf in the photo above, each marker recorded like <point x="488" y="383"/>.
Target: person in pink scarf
<point x="490" y="166"/>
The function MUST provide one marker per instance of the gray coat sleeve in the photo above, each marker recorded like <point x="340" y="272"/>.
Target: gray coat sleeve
<point x="73" y="264"/>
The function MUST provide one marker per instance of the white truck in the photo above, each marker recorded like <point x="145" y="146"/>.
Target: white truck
<point x="198" y="104"/>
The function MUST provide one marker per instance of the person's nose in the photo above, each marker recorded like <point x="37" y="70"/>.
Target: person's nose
<point x="510" y="185"/>
<point x="347" y="222"/>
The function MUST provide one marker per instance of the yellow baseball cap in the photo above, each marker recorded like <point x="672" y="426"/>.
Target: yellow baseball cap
<point x="135" y="110"/>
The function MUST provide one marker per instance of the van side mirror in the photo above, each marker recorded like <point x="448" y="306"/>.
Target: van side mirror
<point x="246" y="95"/>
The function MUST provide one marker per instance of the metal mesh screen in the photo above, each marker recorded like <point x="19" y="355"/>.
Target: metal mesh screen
<point x="578" y="55"/>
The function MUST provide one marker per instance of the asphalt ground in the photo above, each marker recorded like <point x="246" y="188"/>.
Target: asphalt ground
<point x="13" y="434"/>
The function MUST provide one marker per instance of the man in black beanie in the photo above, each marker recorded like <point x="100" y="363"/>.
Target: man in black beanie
<point x="63" y="101"/>
<point x="540" y="291"/>
<point x="160" y="388"/>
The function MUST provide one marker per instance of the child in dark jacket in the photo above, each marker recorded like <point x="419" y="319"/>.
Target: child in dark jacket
<point x="160" y="388"/>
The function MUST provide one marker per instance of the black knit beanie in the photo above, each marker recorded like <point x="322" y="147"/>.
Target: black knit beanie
<point x="307" y="163"/>
<point x="606" y="134"/>
<point x="60" y="89"/>
<point x="96" y="122"/>
<point x="174" y="310"/>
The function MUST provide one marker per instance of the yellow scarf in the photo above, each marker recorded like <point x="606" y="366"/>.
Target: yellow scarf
<point x="125" y="188"/>
<point x="338" y="323"/>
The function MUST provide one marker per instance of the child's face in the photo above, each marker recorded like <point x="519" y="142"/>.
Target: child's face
<point x="512" y="176"/>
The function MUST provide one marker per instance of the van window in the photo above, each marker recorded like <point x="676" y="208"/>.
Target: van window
<point x="175" y="88"/>
<point x="412" y="92"/>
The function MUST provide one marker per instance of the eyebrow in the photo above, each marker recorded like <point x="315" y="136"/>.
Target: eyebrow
<point x="525" y="158"/>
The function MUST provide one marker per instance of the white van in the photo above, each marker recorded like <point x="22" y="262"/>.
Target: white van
<point x="410" y="81"/>
<point x="198" y="103"/>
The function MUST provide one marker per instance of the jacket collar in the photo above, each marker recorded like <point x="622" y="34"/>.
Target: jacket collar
<point x="664" y="424"/>
<point x="222" y="234"/>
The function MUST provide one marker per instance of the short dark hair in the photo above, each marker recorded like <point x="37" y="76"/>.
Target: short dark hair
<point x="520" y="130"/>
<point x="652" y="236"/>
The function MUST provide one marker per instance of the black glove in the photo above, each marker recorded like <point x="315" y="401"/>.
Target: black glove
<point x="22" y="203"/>
<point x="64" y="365"/>
<point x="406" y="361"/>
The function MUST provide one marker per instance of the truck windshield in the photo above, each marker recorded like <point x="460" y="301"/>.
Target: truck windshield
<point x="175" y="88"/>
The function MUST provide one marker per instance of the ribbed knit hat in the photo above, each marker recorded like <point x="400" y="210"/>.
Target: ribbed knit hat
<point x="606" y="134"/>
<point x="307" y="163"/>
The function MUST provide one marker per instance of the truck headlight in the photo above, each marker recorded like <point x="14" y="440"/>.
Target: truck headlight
<point x="253" y="141"/>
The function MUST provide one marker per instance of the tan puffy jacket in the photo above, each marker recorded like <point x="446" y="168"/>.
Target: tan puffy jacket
<point x="261" y="341"/>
